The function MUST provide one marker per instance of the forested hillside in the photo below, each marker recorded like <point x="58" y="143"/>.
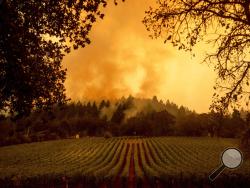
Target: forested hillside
<point x="126" y="116"/>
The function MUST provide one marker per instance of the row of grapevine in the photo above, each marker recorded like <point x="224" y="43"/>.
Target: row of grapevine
<point x="102" y="171"/>
<point x="92" y="159"/>
<point x="138" y="169"/>
<point x="104" y="160"/>
<point x="115" y="159"/>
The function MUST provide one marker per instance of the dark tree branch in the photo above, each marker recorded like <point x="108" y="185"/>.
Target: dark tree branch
<point x="185" y="22"/>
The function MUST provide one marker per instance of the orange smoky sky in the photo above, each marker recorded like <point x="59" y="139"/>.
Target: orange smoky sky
<point x="122" y="60"/>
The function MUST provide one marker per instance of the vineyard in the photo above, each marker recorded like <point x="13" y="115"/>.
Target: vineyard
<point x="117" y="162"/>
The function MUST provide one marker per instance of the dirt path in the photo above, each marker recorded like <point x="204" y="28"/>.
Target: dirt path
<point x="131" y="177"/>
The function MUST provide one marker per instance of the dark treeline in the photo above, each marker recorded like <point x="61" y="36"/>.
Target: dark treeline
<point x="127" y="116"/>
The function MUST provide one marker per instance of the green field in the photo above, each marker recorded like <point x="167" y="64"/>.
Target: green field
<point x="104" y="162"/>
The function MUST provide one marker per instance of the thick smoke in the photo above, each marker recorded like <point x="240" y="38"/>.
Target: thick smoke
<point x="145" y="106"/>
<point x="122" y="60"/>
<point x="108" y="111"/>
<point x="136" y="105"/>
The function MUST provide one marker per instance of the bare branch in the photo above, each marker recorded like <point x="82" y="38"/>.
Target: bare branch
<point x="186" y="22"/>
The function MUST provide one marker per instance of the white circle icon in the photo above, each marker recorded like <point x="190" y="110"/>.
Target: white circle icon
<point x="232" y="158"/>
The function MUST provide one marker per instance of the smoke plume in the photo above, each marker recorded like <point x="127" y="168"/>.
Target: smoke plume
<point x="122" y="60"/>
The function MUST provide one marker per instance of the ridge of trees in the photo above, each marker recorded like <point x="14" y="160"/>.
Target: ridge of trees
<point x="128" y="116"/>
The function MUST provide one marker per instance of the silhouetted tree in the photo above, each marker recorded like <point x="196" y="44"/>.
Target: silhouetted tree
<point x="232" y="126"/>
<point x="94" y="111"/>
<point x="186" y="22"/>
<point x="118" y="115"/>
<point x="237" y="120"/>
<point x="102" y="105"/>
<point x="207" y="124"/>
<point x="108" y="104"/>
<point x="162" y="123"/>
<point x="34" y="37"/>
<point x="151" y="124"/>
<point x="218" y="118"/>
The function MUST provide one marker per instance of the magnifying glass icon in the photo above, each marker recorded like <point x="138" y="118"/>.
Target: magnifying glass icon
<point x="231" y="158"/>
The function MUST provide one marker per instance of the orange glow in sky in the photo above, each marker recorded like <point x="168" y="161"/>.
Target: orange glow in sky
<point x="123" y="60"/>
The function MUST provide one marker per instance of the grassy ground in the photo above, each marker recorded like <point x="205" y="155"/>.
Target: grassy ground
<point x="144" y="162"/>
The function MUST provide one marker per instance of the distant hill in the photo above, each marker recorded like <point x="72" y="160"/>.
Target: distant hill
<point x="122" y="117"/>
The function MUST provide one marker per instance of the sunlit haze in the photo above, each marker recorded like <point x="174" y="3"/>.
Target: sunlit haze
<point x="123" y="60"/>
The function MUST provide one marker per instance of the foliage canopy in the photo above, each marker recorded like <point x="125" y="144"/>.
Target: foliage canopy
<point x="34" y="37"/>
<point x="223" y="23"/>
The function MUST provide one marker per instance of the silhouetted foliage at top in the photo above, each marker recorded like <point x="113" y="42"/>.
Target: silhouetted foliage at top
<point x="34" y="37"/>
<point x="222" y="23"/>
